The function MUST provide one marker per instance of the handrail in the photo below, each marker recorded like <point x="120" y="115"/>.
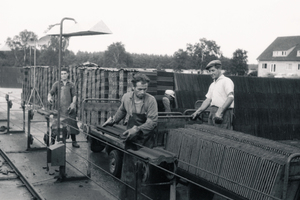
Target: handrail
<point x="286" y="174"/>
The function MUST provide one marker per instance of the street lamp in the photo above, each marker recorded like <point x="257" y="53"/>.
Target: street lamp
<point x="62" y="169"/>
<point x="80" y="30"/>
<point x="59" y="75"/>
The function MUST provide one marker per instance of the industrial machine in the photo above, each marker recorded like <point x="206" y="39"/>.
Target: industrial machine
<point x="231" y="163"/>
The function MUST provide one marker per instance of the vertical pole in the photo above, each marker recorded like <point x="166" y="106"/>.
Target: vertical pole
<point x="88" y="157"/>
<point x="62" y="169"/>
<point x="173" y="190"/>
<point x="28" y="128"/>
<point x="48" y="130"/>
<point x="33" y="89"/>
<point x="8" y="112"/>
<point x="34" y="55"/>
<point x="23" y="108"/>
<point x="137" y="168"/>
<point x="30" y="55"/>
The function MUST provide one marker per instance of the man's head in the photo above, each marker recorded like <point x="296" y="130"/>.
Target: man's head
<point x="170" y="93"/>
<point x="215" y="69"/>
<point x="140" y="85"/>
<point x="64" y="73"/>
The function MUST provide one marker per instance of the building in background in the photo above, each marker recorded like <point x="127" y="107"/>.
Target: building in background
<point x="281" y="58"/>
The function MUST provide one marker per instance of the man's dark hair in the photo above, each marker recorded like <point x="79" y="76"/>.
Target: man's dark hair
<point x="139" y="77"/>
<point x="65" y="70"/>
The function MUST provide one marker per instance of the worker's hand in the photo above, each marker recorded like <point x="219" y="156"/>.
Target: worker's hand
<point x="218" y="118"/>
<point x="219" y="113"/>
<point x="130" y="133"/>
<point x="109" y="122"/>
<point x="50" y="100"/>
<point x="195" y="114"/>
<point x="72" y="107"/>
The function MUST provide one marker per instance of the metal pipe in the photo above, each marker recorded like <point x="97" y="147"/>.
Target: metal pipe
<point x="62" y="169"/>
<point x="59" y="75"/>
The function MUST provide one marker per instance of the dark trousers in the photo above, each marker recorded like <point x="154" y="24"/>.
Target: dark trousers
<point x="227" y="118"/>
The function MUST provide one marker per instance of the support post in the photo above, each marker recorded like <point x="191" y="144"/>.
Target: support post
<point x="173" y="190"/>
<point x="9" y="104"/>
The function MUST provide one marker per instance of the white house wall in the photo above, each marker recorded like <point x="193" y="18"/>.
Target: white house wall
<point x="282" y="68"/>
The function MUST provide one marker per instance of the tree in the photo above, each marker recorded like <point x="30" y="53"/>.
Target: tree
<point x="197" y="56"/>
<point x="49" y="53"/>
<point x="117" y="57"/>
<point x="20" y="47"/>
<point x="210" y="51"/>
<point x="226" y="63"/>
<point x="239" y="66"/>
<point x="180" y="58"/>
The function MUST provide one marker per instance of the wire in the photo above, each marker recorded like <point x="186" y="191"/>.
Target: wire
<point x="124" y="151"/>
<point x="98" y="167"/>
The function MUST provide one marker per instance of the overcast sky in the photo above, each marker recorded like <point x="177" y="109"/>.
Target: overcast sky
<point x="161" y="27"/>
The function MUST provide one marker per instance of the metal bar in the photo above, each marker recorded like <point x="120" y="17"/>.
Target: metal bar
<point x="137" y="168"/>
<point x="62" y="169"/>
<point x="173" y="190"/>
<point x="8" y="112"/>
<point x="24" y="117"/>
<point x="30" y="188"/>
<point x="28" y="128"/>
<point x="286" y="174"/>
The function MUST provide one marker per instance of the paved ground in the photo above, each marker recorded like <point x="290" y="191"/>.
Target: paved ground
<point x="32" y="162"/>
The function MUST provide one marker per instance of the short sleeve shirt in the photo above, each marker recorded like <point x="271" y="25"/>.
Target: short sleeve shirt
<point x="219" y="90"/>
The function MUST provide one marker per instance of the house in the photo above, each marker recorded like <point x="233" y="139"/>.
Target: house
<point x="281" y="58"/>
<point x="252" y="68"/>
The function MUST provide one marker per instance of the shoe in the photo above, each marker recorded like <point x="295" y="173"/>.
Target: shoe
<point x="74" y="144"/>
<point x="2" y="128"/>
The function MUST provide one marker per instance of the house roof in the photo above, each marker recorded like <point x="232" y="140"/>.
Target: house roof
<point x="282" y="44"/>
<point x="252" y="66"/>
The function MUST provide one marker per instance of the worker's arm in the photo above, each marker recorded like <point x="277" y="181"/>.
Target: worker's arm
<point x="149" y="125"/>
<point x="73" y="103"/>
<point x="221" y="110"/>
<point x="166" y="103"/>
<point x="50" y="98"/>
<point x="74" y="97"/>
<point x="52" y="92"/>
<point x="203" y="107"/>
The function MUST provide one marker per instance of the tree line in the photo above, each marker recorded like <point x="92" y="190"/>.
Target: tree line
<point x="195" y="56"/>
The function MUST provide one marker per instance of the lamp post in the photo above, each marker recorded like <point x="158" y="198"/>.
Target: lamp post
<point x="59" y="74"/>
<point x="96" y="29"/>
<point x="62" y="169"/>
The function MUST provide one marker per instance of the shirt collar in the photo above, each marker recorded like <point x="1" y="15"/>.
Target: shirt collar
<point x="132" y="95"/>
<point x="220" y="77"/>
<point x="68" y="81"/>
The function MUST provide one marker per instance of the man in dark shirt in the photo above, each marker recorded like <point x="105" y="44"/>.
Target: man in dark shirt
<point x="67" y="104"/>
<point x="141" y="108"/>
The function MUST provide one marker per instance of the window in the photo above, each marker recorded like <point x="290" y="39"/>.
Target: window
<point x="298" y="66"/>
<point x="273" y="67"/>
<point x="298" y="53"/>
<point x="264" y="66"/>
<point x="289" y="66"/>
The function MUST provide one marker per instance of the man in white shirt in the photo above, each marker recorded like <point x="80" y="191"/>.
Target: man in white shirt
<point x="220" y="97"/>
<point x="168" y="99"/>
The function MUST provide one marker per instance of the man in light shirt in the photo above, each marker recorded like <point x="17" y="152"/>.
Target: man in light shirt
<point x="168" y="100"/>
<point x="220" y="98"/>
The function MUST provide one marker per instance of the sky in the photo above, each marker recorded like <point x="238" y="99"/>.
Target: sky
<point x="160" y="27"/>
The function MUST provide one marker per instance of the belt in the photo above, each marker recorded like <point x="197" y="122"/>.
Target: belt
<point x="218" y="107"/>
